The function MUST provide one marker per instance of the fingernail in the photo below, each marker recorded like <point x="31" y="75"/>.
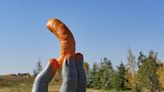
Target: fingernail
<point x="54" y="65"/>
<point x="79" y="58"/>
<point x="70" y="60"/>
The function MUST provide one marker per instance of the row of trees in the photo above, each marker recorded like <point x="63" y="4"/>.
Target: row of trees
<point x="146" y="73"/>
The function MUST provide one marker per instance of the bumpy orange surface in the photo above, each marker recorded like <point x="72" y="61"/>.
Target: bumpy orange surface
<point x="65" y="37"/>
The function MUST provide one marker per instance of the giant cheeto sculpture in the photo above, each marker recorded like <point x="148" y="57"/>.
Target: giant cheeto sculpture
<point x="71" y="63"/>
<point x="67" y="41"/>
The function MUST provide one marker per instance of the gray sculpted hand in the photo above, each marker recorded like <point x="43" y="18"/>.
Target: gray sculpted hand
<point x="73" y="74"/>
<point x="43" y="78"/>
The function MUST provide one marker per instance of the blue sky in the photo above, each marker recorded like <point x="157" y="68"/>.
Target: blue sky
<point x="102" y="28"/>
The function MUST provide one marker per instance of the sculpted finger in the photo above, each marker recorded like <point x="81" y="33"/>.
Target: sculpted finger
<point x="54" y="65"/>
<point x="44" y="77"/>
<point x="81" y="74"/>
<point x="69" y="75"/>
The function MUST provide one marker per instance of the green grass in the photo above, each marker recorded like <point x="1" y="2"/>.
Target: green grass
<point x="21" y="84"/>
<point x="112" y="90"/>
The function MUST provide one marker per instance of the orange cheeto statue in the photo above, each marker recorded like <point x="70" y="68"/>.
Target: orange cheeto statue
<point x="67" y="42"/>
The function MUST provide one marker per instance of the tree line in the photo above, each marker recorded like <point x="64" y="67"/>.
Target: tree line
<point x="142" y="74"/>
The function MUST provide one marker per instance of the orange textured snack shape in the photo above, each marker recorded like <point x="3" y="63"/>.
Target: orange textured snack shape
<point x="65" y="37"/>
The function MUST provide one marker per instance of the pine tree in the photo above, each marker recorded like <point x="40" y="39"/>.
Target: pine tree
<point x="106" y="70"/>
<point x="120" y="77"/>
<point x="38" y="68"/>
<point x="93" y="77"/>
<point x="147" y="77"/>
<point x="95" y="68"/>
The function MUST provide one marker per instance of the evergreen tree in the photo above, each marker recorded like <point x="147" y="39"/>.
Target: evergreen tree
<point x="147" y="77"/>
<point x="108" y="63"/>
<point x="38" y="68"/>
<point x="120" y="79"/>
<point x="106" y="70"/>
<point x="93" y="77"/>
<point x="95" y="68"/>
<point x="102" y="74"/>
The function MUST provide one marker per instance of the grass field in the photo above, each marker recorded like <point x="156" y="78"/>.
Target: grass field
<point x="51" y="89"/>
<point x="22" y="84"/>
